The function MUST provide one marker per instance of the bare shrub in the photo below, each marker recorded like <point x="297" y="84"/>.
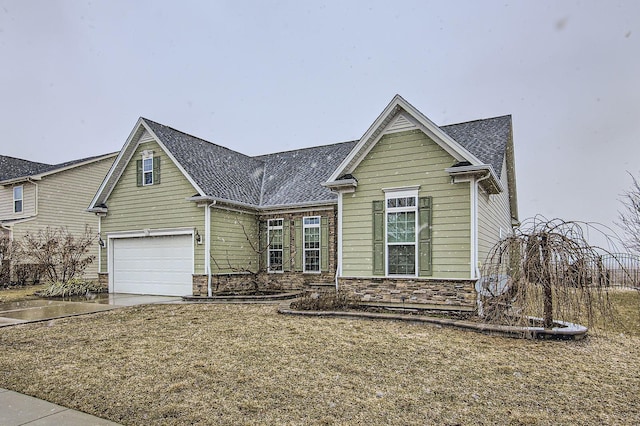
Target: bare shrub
<point x="60" y="255"/>
<point x="325" y="301"/>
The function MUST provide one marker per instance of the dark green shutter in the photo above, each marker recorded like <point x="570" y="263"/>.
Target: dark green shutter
<point x="156" y="170"/>
<point x="324" y="244"/>
<point x="298" y="242"/>
<point x="424" y="237"/>
<point x="263" y="246"/>
<point x="139" y="172"/>
<point x="378" y="238"/>
<point x="286" y="246"/>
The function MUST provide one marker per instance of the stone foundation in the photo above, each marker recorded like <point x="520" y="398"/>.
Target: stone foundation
<point x="230" y="283"/>
<point x="103" y="280"/>
<point x="412" y="290"/>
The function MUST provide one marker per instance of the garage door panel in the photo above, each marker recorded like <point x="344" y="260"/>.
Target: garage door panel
<point x="153" y="265"/>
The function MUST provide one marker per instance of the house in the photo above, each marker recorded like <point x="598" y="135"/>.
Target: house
<point x="407" y="212"/>
<point x="34" y="196"/>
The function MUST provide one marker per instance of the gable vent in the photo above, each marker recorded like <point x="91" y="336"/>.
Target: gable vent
<point x="146" y="137"/>
<point x="400" y="124"/>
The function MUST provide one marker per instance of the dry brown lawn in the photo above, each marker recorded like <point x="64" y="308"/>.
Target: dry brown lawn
<point x="15" y="294"/>
<point x="247" y="364"/>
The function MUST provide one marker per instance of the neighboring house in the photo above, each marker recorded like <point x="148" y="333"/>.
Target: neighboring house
<point x="34" y="196"/>
<point x="405" y="213"/>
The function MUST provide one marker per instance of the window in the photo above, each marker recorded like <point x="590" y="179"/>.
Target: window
<point x="401" y="226"/>
<point x="17" y="199"/>
<point x="311" y="226"/>
<point x="148" y="169"/>
<point x="276" y="242"/>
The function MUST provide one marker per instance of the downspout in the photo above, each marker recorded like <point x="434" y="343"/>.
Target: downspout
<point x="474" y="232"/>
<point x="99" y="246"/>
<point x="207" y="245"/>
<point x="339" y="256"/>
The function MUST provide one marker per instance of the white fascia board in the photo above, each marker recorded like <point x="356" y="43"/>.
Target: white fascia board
<point x="125" y="156"/>
<point x="176" y="162"/>
<point x="474" y="170"/>
<point x="427" y="126"/>
<point x="117" y="168"/>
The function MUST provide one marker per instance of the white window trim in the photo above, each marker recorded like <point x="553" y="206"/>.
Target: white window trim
<point x="390" y="193"/>
<point x="269" y="249"/>
<point x="319" y="249"/>
<point x="21" y="199"/>
<point x="147" y="155"/>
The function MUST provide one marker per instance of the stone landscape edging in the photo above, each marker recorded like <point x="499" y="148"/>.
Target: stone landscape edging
<point x="569" y="331"/>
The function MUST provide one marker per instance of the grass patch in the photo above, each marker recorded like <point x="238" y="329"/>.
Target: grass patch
<point x="246" y="364"/>
<point x="18" y="293"/>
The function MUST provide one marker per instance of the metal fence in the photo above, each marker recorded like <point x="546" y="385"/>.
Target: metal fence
<point x="621" y="270"/>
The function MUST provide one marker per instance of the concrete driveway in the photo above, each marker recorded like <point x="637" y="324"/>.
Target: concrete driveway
<point x="13" y="313"/>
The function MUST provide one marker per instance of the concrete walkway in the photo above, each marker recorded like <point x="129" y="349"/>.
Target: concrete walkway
<point x="18" y="409"/>
<point x="12" y="313"/>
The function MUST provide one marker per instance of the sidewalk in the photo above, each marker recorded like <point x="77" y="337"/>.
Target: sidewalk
<point x="18" y="409"/>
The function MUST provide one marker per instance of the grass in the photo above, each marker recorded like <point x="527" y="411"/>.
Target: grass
<point x="16" y="294"/>
<point x="246" y="364"/>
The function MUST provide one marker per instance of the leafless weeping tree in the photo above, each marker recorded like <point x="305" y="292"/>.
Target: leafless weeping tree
<point x="546" y="270"/>
<point x="60" y="255"/>
<point x="629" y="217"/>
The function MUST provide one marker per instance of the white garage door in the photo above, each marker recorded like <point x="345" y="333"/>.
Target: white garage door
<point x="153" y="265"/>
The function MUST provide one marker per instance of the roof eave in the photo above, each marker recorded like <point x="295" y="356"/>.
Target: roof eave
<point x="489" y="179"/>
<point x="343" y="185"/>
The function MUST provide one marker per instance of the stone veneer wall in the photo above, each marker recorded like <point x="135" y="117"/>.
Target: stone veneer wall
<point x="410" y="290"/>
<point x="229" y="283"/>
<point x="103" y="280"/>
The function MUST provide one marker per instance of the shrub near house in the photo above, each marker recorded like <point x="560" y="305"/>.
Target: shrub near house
<point x="406" y="212"/>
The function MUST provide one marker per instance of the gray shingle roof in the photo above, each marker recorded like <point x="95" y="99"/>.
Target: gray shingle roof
<point x="486" y="139"/>
<point x="13" y="168"/>
<point x="295" y="177"/>
<point x="218" y="171"/>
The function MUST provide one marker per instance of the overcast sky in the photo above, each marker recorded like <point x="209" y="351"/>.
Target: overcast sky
<point x="262" y="77"/>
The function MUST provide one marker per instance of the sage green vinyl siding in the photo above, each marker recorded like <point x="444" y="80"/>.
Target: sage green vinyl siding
<point x="234" y="242"/>
<point x="62" y="202"/>
<point x="134" y="208"/>
<point x="400" y="160"/>
<point x="494" y="214"/>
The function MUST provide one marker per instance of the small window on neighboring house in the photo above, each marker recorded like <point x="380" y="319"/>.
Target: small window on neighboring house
<point x="311" y="226"/>
<point x="17" y="199"/>
<point x="275" y="245"/>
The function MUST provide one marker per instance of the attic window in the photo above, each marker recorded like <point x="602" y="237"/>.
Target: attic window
<point x="148" y="169"/>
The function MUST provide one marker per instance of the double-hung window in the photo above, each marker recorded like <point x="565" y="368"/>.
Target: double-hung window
<point x="147" y="170"/>
<point x="275" y="245"/>
<point x="18" y="197"/>
<point x="311" y="226"/>
<point x="401" y="224"/>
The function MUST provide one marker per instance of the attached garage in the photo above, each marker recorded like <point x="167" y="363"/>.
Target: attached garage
<point x="160" y="265"/>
